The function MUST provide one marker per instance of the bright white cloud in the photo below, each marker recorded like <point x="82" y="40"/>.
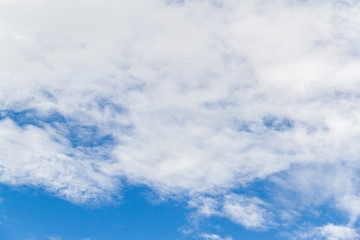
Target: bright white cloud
<point x="333" y="232"/>
<point x="245" y="211"/>
<point x="329" y="232"/>
<point x="39" y="157"/>
<point x="249" y="212"/>
<point x="201" y="97"/>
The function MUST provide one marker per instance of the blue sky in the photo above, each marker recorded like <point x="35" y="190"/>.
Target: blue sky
<point x="196" y="119"/>
<point x="31" y="214"/>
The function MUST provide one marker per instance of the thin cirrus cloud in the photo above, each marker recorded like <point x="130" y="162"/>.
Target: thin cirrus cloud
<point x="194" y="99"/>
<point x="207" y="236"/>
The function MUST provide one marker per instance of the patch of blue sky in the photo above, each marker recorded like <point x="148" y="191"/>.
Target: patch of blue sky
<point x="262" y="189"/>
<point x="303" y="209"/>
<point x="87" y="136"/>
<point x="241" y="126"/>
<point x="104" y="103"/>
<point x="30" y="117"/>
<point x="48" y="95"/>
<point x="308" y="218"/>
<point x="277" y="123"/>
<point x="78" y="134"/>
<point x="279" y="201"/>
<point x="271" y="122"/>
<point x="33" y="214"/>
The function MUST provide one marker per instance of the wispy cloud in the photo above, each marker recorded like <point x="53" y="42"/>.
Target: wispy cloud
<point x="54" y="238"/>
<point x="207" y="236"/>
<point x="330" y="232"/>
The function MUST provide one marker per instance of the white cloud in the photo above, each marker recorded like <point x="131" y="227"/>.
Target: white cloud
<point x="334" y="232"/>
<point x="200" y="98"/>
<point x="207" y="236"/>
<point x="329" y="232"/>
<point x="39" y="157"/>
<point x="206" y="206"/>
<point x="245" y="211"/>
<point x="249" y="212"/>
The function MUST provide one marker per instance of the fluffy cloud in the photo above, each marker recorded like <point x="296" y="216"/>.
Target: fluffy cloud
<point x="197" y="98"/>
<point x="332" y="232"/>
<point x="244" y="211"/>
<point x="39" y="157"/>
<point x="249" y="212"/>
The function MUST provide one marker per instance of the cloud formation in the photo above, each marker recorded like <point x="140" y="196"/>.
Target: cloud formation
<point x="190" y="98"/>
<point x="332" y="232"/>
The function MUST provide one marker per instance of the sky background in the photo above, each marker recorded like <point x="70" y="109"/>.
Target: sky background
<point x="195" y="119"/>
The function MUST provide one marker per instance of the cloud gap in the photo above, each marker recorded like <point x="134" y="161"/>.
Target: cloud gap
<point x="79" y="135"/>
<point x="278" y="124"/>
